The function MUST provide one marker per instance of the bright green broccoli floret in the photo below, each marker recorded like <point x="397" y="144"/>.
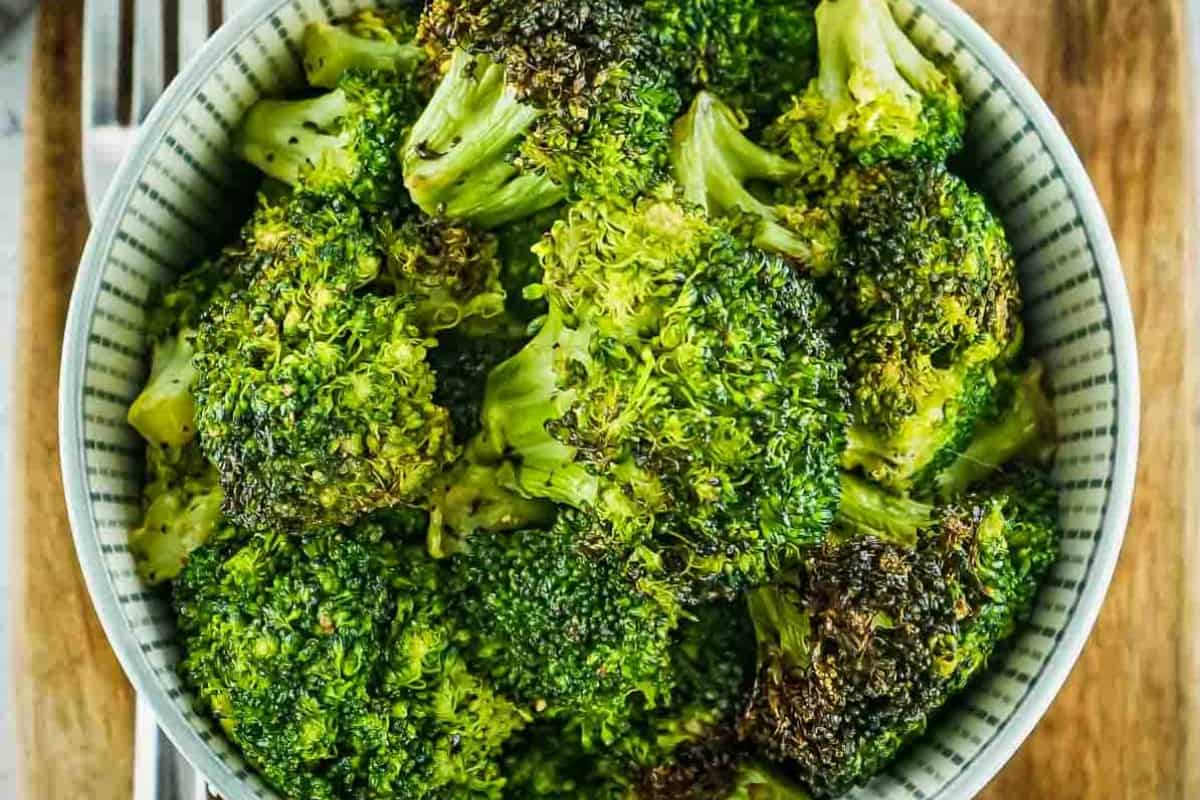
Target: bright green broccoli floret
<point x="539" y="102"/>
<point x="314" y="395"/>
<point x="875" y="631"/>
<point x="875" y="98"/>
<point x="181" y="510"/>
<point x="564" y="630"/>
<point x="451" y="271"/>
<point x="347" y="139"/>
<point x="682" y="388"/>
<point x="329" y="660"/>
<point x="755" y="53"/>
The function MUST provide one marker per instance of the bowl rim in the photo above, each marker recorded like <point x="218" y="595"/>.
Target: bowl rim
<point x="1002" y="743"/>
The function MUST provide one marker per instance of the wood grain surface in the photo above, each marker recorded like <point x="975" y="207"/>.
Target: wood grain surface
<point x="1125" y="726"/>
<point x="74" y="709"/>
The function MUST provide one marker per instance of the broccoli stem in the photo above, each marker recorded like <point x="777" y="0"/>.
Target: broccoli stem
<point x="474" y="497"/>
<point x="1024" y="428"/>
<point x="458" y="160"/>
<point x="285" y="138"/>
<point x="714" y="161"/>
<point x="522" y="399"/>
<point x="165" y="412"/>
<point x="781" y="625"/>
<point x="330" y="51"/>
<point x="868" y="510"/>
<point x="864" y="55"/>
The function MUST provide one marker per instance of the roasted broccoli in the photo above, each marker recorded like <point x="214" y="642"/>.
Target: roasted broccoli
<point x="755" y="53"/>
<point x="875" y="98"/>
<point x="682" y="388"/>
<point x="346" y="139"/>
<point x="539" y="102"/>
<point x="314" y="395"/>
<point x="181" y="510"/>
<point x="450" y="271"/>
<point x="331" y="661"/>
<point x="879" y="626"/>
<point x="566" y="631"/>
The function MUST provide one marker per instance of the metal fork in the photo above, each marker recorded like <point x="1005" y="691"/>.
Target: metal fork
<point x="131" y="50"/>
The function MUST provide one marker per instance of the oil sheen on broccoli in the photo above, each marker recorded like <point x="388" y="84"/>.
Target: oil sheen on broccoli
<point x="331" y="662"/>
<point x="893" y="615"/>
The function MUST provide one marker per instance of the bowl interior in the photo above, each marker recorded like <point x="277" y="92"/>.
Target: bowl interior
<point x="170" y="204"/>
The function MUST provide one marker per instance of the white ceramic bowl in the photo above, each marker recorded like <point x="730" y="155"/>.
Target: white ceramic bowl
<point x="169" y="204"/>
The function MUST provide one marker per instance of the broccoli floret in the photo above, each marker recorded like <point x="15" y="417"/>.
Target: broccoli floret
<point x="724" y="172"/>
<point x="875" y="98"/>
<point x="379" y="41"/>
<point x="927" y="284"/>
<point x="539" y="102"/>
<point x="564" y="630"/>
<point x="330" y="661"/>
<point x="1022" y="427"/>
<point x="346" y="139"/>
<point x="451" y="271"/>
<point x="668" y="354"/>
<point x="314" y="395"/>
<point x="875" y="631"/>
<point x="164" y="412"/>
<point x="755" y="53"/>
<point x="181" y="510"/>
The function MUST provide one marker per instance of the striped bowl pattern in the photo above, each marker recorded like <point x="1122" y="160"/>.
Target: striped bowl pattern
<point x="169" y="204"/>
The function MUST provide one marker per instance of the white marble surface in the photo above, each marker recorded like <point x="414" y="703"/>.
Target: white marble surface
<point x="15" y="51"/>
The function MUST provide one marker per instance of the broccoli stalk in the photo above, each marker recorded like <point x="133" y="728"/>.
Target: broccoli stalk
<point x="757" y="781"/>
<point x="472" y="497"/>
<point x="875" y="97"/>
<point x="865" y="509"/>
<point x="288" y="138"/>
<point x="457" y="161"/>
<point x="717" y="166"/>
<point x="164" y="413"/>
<point x="331" y="51"/>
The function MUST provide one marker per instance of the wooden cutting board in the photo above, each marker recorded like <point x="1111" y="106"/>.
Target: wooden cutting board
<point x="1127" y="724"/>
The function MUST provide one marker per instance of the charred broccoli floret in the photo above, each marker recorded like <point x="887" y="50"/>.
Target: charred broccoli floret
<point x="314" y="395"/>
<point x="450" y="271"/>
<point x="682" y="388"/>
<point x="564" y="630"/>
<point x="755" y="53"/>
<point x="879" y="626"/>
<point x="330" y="661"/>
<point x="539" y="102"/>
<point x="348" y="138"/>
<point x="875" y="98"/>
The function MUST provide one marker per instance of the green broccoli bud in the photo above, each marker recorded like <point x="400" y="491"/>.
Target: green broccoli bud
<point x="369" y="41"/>
<point x="643" y="396"/>
<point x="330" y="661"/>
<point x="164" y="413"/>
<point x="314" y="395"/>
<point x="875" y="98"/>
<point x="755" y="53"/>
<point x="451" y="272"/>
<point x="181" y="510"/>
<point x="564" y="630"/>
<point x="875" y="631"/>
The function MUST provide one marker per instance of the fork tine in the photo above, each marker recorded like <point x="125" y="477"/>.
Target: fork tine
<point x="147" y="56"/>
<point x="193" y="28"/>
<point x="102" y="46"/>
